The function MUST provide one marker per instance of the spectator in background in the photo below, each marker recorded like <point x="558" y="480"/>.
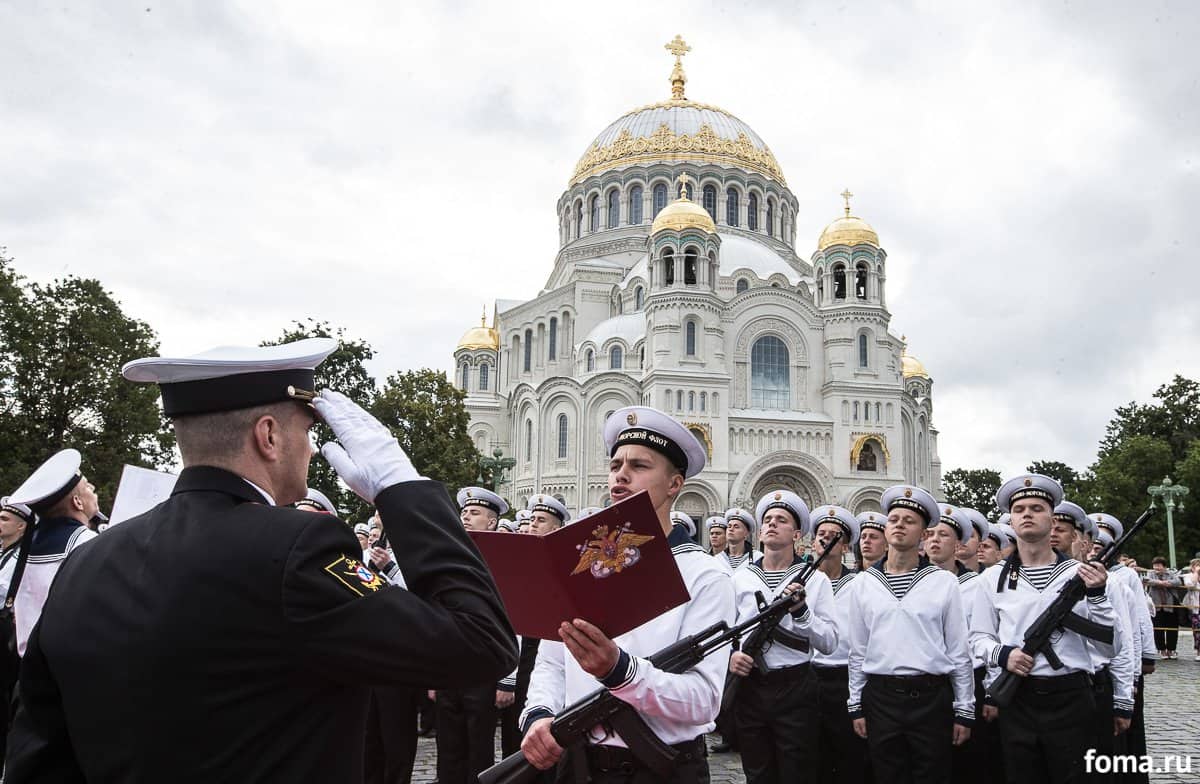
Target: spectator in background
<point x="1163" y="585"/>
<point x="1191" y="600"/>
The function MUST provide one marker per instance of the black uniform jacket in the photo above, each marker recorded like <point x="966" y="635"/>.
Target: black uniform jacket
<point x="220" y="639"/>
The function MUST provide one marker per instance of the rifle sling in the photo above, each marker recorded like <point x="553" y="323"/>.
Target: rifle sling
<point x="1088" y="628"/>
<point x="643" y="744"/>
<point x="790" y="640"/>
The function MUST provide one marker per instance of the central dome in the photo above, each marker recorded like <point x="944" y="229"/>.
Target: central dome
<point x="678" y="130"/>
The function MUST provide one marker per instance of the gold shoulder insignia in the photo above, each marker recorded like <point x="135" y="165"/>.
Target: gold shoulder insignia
<point x="353" y="575"/>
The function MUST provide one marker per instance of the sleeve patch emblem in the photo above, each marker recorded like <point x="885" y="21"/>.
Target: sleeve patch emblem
<point x="354" y="575"/>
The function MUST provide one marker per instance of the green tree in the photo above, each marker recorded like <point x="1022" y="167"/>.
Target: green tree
<point x="973" y="487"/>
<point x="1077" y="487"/>
<point x="62" y="346"/>
<point x="427" y="414"/>
<point x="345" y="371"/>
<point x="1122" y="476"/>
<point x="1187" y="520"/>
<point x="1174" y="418"/>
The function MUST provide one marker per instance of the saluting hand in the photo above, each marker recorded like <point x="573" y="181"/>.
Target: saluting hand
<point x="368" y="457"/>
<point x="592" y="648"/>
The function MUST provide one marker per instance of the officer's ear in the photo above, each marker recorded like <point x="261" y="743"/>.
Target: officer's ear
<point x="267" y="437"/>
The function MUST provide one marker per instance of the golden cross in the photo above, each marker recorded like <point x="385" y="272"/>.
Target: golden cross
<point x="846" y="194"/>
<point x="679" y="48"/>
<point x="683" y="180"/>
<point x="483" y="316"/>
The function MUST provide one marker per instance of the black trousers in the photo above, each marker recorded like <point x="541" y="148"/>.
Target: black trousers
<point x="1103" y="740"/>
<point x="466" y="733"/>
<point x="391" y="744"/>
<point x="1048" y="728"/>
<point x="776" y="716"/>
<point x="614" y="765"/>
<point x="910" y="728"/>
<point x="510" y="731"/>
<point x="1166" y="629"/>
<point x="1135" y="738"/>
<point x="979" y="761"/>
<point x="841" y="755"/>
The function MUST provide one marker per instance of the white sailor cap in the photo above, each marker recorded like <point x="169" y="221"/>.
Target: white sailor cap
<point x="588" y="511"/>
<point x="1068" y="512"/>
<point x="841" y="517"/>
<point x="998" y="535"/>
<point x="362" y="528"/>
<point x="481" y="496"/>
<point x="1106" y="522"/>
<point x="1010" y="532"/>
<point x="785" y="499"/>
<point x="913" y="498"/>
<point x="233" y="377"/>
<point x="51" y="482"/>
<point x="684" y="519"/>
<point x="20" y="510"/>
<point x="877" y="520"/>
<point x="1005" y="519"/>
<point x="1029" y="486"/>
<point x="522" y="516"/>
<point x="978" y="521"/>
<point x="738" y="513"/>
<point x="957" y="519"/>
<point x="1104" y="537"/>
<point x="716" y="521"/>
<point x="507" y="525"/>
<point x="652" y="428"/>
<point x="540" y="502"/>
<point x="317" y="500"/>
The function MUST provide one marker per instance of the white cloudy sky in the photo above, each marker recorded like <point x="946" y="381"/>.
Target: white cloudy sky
<point x="227" y="167"/>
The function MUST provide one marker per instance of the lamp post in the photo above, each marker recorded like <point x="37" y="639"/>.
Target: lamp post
<point x="495" y="466"/>
<point x="1168" y="491"/>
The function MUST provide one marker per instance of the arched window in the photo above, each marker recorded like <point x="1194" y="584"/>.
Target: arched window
<point x="562" y="436"/>
<point x="578" y="219"/>
<point x="614" y="208"/>
<point x="620" y="304"/>
<point x="690" y="341"/>
<point x="635" y="205"/>
<point x="639" y="298"/>
<point x="742" y="285"/>
<point x="483" y="377"/>
<point x="660" y="199"/>
<point x="710" y="201"/>
<point x="689" y="266"/>
<point x="820" y="286"/>
<point x="553" y="352"/>
<point x="769" y="374"/>
<point x="703" y="400"/>
<point x="528" y="440"/>
<point x="752" y="212"/>
<point x="733" y="204"/>
<point x="878" y="412"/>
<point x="466" y="377"/>
<point x="614" y="358"/>
<point x="642" y="357"/>
<point x="528" y="350"/>
<point x="839" y="281"/>
<point x="860" y="281"/>
<point x="691" y="401"/>
<point x="594" y="213"/>
<point x="590" y="360"/>
<point x="862" y="351"/>
<point x="770" y="217"/>
<point x="855" y="410"/>
<point x="866" y="411"/>
<point x="668" y="266"/>
<point x="679" y="400"/>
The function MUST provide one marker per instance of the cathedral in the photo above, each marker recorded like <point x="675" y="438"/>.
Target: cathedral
<point x="678" y="284"/>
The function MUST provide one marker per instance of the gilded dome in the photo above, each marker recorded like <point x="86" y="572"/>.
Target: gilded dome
<point x="482" y="336"/>
<point x="911" y="367"/>
<point x="683" y="213"/>
<point x="848" y="230"/>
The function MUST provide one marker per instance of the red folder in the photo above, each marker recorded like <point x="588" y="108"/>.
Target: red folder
<point x="613" y="569"/>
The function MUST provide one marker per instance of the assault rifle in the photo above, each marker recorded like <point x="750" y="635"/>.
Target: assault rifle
<point x="572" y="725"/>
<point x="766" y="632"/>
<point x="1059" y="615"/>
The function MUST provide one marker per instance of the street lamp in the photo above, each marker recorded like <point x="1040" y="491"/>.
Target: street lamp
<point x="1168" y="491"/>
<point x="495" y="465"/>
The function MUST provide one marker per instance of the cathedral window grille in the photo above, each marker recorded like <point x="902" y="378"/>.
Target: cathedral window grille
<point x="635" y="205"/>
<point x="710" y="201"/>
<point x="660" y="198"/>
<point x="839" y="282"/>
<point x="615" y="357"/>
<point x="594" y="213"/>
<point x="752" y="212"/>
<point x="553" y="351"/>
<point x="689" y="267"/>
<point x="578" y="219"/>
<point x="614" y="208"/>
<point x="483" y="377"/>
<point x="690" y="341"/>
<point x="562" y="436"/>
<point x="769" y="374"/>
<point x="770" y="217"/>
<point x="732" y="205"/>
<point x="742" y="285"/>
<point x="639" y="298"/>
<point x="528" y="350"/>
<point x="668" y="258"/>
<point x="862" y="350"/>
<point x="860" y="281"/>
<point x="590" y="361"/>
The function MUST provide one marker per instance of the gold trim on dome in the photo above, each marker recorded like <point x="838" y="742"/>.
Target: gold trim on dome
<point x="911" y="367"/>
<point x="679" y="48"/>
<point x="481" y="336"/>
<point x="666" y="145"/>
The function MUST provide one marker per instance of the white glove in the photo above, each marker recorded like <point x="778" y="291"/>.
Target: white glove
<point x="368" y="459"/>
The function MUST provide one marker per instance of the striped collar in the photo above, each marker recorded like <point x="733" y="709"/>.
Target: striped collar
<point x="757" y="570"/>
<point x="923" y="570"/>
<point x="847" y="576"/>
<point x="687" y="547"/>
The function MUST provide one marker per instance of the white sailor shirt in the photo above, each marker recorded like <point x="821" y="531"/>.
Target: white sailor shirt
<point x="1001" y="618"/>
<point x="816" y="622"/>
<point x="731" y="563"/>
<point x="53" y="540"/>
<point x="1125" y="666"/>
<point x="912" y="624"/>
<point x="1141" y="620"/>
<point x="676" y="706"/>
<point x="968" y="584"/>
<point x="840" y="656"/>
<point x="8" y="566"/>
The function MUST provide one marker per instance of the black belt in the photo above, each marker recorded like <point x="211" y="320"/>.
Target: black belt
<point x="909" y="684"/>
<point x="831" y="673"/>
<point x="1054" y="684"/>
<point x="1102" y="678"/>
<point x="792" y="674"/>
<point x="619" y="758"/>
